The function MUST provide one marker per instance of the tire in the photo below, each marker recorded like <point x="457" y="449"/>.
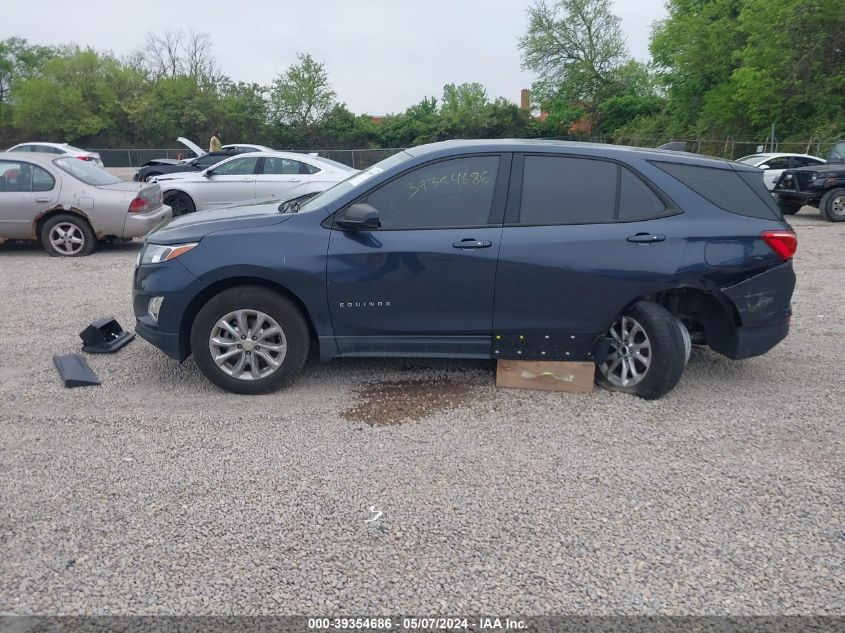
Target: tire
<point x="832" y="205"/>
<point x="789" y="207"/>
<point x="261" y="308"/>
<point x="659" y="361"/>
<point x="67" y="235"/>
<point x="180" y="203"/>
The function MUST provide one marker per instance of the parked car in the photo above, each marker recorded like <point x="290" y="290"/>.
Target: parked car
<point x="256" y="175"/>
<point x="154" y="168"/>
<point x="69" y="204"/>
<point x="821" y="186"/>
<point x="481" y="249"/>
<point x="773" y="164"/>
<point x="58" y="148"/>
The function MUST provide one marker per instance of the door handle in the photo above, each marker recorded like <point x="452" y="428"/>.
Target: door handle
<point x="472" y="243"/>
<point x="42" y="199"/>
<point x="646" y="238"/>
<point x="293" y="180"/>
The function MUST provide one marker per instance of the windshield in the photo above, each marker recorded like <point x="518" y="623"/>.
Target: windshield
<point x="335" y="163"/>
<point x="353" y="180"/>
<point x="87" y="172"/>
<point x="751" y="160"/>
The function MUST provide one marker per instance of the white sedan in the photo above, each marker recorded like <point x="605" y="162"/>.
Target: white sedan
<point x="249" y="177"/>
<point x="58" y="148"/>
<point x="774" y="164"/>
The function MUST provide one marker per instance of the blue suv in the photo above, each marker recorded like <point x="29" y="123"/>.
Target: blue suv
<point x="481" y="249"/>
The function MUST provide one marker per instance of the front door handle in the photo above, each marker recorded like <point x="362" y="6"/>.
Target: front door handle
<point x="42" y="199"/>
<point x="472" y="243"/>
<point x="646" y="238"/>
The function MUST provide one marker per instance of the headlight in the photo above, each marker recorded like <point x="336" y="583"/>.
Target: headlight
<point x="158" y="253"/>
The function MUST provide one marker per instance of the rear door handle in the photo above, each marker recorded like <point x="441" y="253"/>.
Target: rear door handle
<point x="472" y="243"/>
<point x="42" y="199"/>
<point x="646" y="238"/>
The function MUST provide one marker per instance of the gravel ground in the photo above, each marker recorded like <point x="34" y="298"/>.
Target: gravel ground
<point x="156" y="493"/>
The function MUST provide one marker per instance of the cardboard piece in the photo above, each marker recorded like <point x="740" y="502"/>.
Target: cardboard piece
<point x="548" y="375"/>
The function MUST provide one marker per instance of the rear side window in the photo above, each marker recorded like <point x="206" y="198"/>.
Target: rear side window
<point x="563" y="190"/>
<point x="637" y="201"/>
<point x="24" y="177"/>
<point x="742" y="193"/>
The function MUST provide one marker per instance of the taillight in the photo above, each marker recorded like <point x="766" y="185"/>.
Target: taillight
<point x="784" y="243"/>
<point x="139" y="204"/>
<point x="80" y="157"/>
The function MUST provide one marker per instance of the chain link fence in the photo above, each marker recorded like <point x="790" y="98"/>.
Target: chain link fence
<point x="363" y="158"/>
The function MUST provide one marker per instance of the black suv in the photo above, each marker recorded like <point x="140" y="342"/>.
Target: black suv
<point x="821" y="186"/>
<point x="481" y="249"/>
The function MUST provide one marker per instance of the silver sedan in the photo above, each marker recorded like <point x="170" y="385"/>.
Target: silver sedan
<point x="249" y="177"/>
<point x="68" y="204"/>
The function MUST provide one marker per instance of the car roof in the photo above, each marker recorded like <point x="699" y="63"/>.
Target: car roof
<point x="305" y="158"/>
<point x="620" y="152"/>
<point x="42" y="158"/>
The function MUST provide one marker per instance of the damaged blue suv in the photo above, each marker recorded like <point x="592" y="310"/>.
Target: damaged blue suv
<point x="481" y="249"/>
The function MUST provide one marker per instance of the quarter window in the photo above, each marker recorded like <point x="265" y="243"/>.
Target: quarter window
<point x="450" y="193"/>
<point x="563" y="190"/>
<point x="237" y="167"/>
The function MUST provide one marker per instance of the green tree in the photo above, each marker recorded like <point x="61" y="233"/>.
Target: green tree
<point x="574" y="46"/>
<point x="463" y="110"/>
<point x="78" y="95"/>
<point x="302" y="96"/>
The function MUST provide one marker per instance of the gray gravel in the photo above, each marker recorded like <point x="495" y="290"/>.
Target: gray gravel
<point x="156" y="493"/>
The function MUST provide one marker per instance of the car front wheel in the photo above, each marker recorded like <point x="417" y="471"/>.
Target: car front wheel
<point x="832" y="205"/>
<point x="67" y="235"/>
<point x="250" y="340"/>
<point x="646" y="352"/>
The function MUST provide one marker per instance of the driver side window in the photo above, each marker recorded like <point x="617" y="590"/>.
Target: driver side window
<point x="450" y="193"/>
<point x="237" y="167"/>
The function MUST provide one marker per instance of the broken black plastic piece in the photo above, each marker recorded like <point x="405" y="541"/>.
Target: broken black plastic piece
<point x="104" y="336"/>
<point x="75" y="371"/>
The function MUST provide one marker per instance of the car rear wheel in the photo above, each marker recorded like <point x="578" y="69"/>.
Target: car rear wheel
<point x="180" y="203"/>
<point x="250" y="340"/>
<point x="832" y="205"/>
<point x="646" y="354"/>
<point x="67" y="235"/>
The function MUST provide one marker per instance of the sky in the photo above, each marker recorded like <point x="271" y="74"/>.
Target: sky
<point x="381" y="55"/>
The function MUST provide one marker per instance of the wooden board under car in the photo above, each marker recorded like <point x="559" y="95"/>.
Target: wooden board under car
<point x="549" y="375"/>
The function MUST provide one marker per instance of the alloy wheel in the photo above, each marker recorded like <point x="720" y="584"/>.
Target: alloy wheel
<point x="629" y="356"/>
<point x="837" y="205"/>
<point x="67" y="238"/>
<point x="247" y="345"/>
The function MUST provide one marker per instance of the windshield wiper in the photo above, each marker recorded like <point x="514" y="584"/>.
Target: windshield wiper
<point x="291" y="206"/>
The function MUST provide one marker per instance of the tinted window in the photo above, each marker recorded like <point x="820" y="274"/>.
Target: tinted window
<point x="451" y="193"/>
<point x="24" y="177"/>
<point x="738" y="192"/>
<point x="47" y="149"/>
<point x="207" y="161"/>
<point x="637" y="201"/>
<point x="781" y="162"/>
<point x="282" y="166"/>
<point x="22" y="148"/>
<point x="87" y="172"/>
<point x="804" y="161"/>
<point x="562" y="190"/>
<point x="237" y="167"/>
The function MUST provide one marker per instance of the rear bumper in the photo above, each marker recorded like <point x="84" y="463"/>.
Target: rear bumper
<point x="754" y="341"/>
<point x="139" y="224"/>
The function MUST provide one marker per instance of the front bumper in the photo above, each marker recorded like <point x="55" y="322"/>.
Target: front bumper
<point x="173" y="282"/>
<point x="139" y="224"/>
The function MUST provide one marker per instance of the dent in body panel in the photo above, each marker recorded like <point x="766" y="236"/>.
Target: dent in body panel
<point x="765" y="298"/>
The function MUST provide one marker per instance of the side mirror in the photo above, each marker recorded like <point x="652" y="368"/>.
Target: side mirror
<point x="358" y="217"/>
<point x="208" y="173"/>
<point x="763" y="166"/>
